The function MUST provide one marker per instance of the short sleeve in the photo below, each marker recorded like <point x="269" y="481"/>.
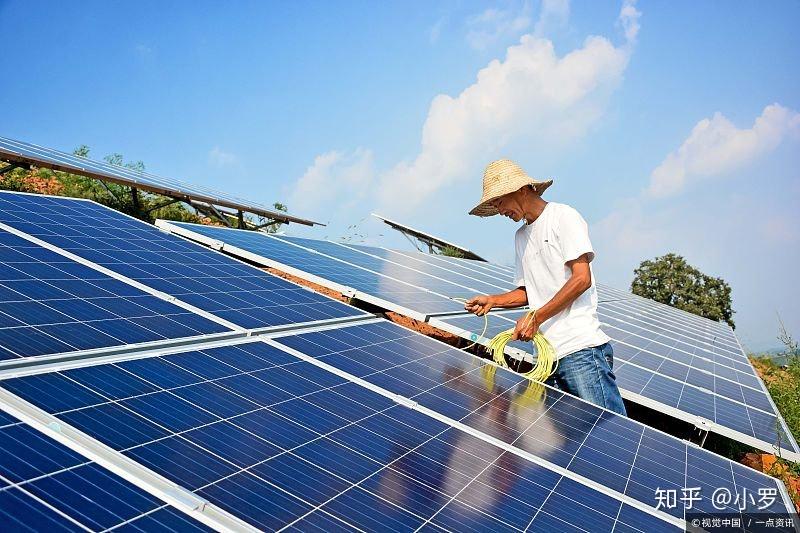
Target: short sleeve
<point x="573" y="236"/>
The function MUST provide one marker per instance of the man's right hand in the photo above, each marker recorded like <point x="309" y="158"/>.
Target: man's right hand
<point x="480" y="305"/>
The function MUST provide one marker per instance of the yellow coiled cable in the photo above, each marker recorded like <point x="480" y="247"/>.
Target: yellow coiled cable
<point x="546" y="362"/>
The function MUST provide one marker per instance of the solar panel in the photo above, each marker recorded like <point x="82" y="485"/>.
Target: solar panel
<point x="676" y="340"/>
<point x="27" y="153"/>
<point x="275" y="440"/>
<point x="467" y="267"/>
<point x="667" y="361"/>
<point x="50" y="304"/>
<point x="226" y="288"/>
<point x="278" y="441"/>
<point x="654" y="370"/>
<point x="715" y="332"/>
<point x="363" y="283"/>
<point x="397" y="266"/>
<point x="46" y="486"/>
<point x="475" y="281"/>
<point x="428" y="239"/>
<point x="602" y="447"/>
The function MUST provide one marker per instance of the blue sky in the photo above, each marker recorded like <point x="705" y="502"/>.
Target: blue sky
<point x="671" y="126"/>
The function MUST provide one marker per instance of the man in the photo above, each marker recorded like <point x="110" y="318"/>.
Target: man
<point x="553" y="276"/>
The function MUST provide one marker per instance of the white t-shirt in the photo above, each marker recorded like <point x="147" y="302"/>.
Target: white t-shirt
<point x="542" y="248"/>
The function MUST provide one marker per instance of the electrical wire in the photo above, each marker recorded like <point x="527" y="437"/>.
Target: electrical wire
<point x="546" y="361"/>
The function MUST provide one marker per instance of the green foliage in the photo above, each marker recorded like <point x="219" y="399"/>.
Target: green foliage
<point x="274" y="228"/>
<point x="784" y="387"/>
<point x="12" y="180"/>
<point x="119" y="197"/>
<point x="81" y="151"/>
<point x="144" y="205"/>
<point x="117" y="159"/>
<point x="669" y="279"/>
<point x="451" y="251"/>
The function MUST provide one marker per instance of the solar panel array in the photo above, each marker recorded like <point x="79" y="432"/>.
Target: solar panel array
<point x="50" y="304"/>
<point x="365" y="283"/>
<point x="276" y="440"/>
<point x="612" y="451"/>
<point x="333" y="419"/>
<point x="46" y="486"/>
<point x="678" y="363"/>
<point x="664" y="381"/>
<point x="223" y="287"/>
<point x="18" y="151"/>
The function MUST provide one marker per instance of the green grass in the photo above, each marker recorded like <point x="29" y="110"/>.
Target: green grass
<point x="783" y="384"/>
<point x="784" y="387"/>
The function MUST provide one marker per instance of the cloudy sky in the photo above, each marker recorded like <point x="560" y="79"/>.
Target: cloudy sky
<point x="672" y="126"/>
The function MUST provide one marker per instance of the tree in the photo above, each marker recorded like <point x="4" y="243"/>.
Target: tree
<point x="274" y="228"/>
<point x="119" y="197"/>
<point x="669" y="279"/>
<point x="147" y="206"/>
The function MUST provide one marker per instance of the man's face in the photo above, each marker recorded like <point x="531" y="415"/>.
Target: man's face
<point x="509" y="206"/>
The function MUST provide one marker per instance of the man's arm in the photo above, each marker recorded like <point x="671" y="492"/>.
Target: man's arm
<point x="480" y="305"/>
<point x="578" y="282"/>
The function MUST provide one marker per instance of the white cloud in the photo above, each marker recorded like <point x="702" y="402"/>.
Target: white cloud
<point x="728" y="233"/>
<point x="335" y="181"/>
<point x="494" y="25"/>
<point x="629" y="20"/>
<point x="221" y="158"/>
<point x="716" y="147"/>
<point x="532" y="98"/>
<point x="554" y="15"/>
<point x="736" y="232"/>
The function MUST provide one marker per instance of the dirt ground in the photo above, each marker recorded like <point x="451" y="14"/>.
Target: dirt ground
<point x="424" y="328"/>
<point x="313" y="286"/>
<point x="766" y="462"/>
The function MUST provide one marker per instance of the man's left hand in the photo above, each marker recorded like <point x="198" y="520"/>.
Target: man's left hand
<point x="525" y="329"/>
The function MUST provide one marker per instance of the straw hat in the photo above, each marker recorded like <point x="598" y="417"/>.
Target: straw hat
<point x="502" y="177"/>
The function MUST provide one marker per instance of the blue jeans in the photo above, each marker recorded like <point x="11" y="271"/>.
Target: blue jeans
<point x="587" y="374"/>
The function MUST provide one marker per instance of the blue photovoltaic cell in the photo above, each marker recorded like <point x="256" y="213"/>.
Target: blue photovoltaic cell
<point x="45" y="486"/>
<point x="694" y="334"/>
<point x="686" y="363"/>
<point x="489" y="272"/>
<point x="404" y="268"/>
<point x="277" y="441"/>
<point x="50" y="304"/>
<point x="717" y="333"/>
<point x="439" y="266"/>
<point x="673" y="348"/>
<point x="344" y="274"/>
<point x="673" y="378"/>
<point x="196" y="275"/>
<point x="614" y="451"/>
